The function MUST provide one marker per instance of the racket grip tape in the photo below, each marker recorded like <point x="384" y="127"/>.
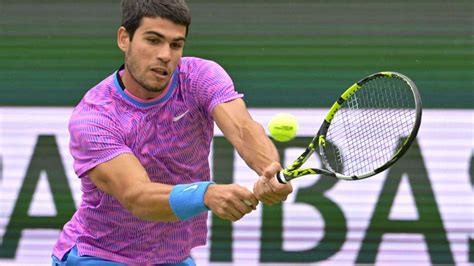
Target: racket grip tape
<point x="281" y="178"/>
<point x="248" y="203"/>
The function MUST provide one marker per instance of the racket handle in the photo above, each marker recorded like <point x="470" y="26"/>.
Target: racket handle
<point x="248" y="203"/>
<point x="281" y="178"/>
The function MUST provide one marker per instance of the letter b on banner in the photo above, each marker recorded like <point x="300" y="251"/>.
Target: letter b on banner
<point x="335" y="228"/>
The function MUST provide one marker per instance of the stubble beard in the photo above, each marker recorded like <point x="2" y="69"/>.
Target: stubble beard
<point x="134" y="71"/>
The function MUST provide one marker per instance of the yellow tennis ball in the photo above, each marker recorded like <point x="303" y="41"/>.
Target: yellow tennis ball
<point x="283" y="127"/>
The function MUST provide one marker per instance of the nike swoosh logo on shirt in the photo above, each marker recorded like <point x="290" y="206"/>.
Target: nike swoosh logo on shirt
<point x="177" y="118"/>
<point x="190" y="188"/>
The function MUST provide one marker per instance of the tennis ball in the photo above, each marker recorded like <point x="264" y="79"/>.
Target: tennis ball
<point x="283" y="127"/>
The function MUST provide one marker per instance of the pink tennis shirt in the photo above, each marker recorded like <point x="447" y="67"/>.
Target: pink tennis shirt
<point x="170" y="135"/>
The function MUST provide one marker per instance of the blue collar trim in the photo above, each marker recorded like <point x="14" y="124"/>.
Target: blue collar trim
<point x="121" y="89"/>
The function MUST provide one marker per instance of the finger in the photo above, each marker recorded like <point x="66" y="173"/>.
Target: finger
<point x="268" y="199"/>
<point x="238" y="208"/>
<point x="234" y="214"/>
<point x="251" y="204"/>
<point x="268" y="189"/>
<point x="277" y="191"/>
<point x="259" y="191"/>
<point x="271" y="170"/>
<point x="256" y="190"/>
<point x="225" y="216"/>
<point x="244" y="208"/>
<point x="270" y="202"/>
<point x="267" y="202"/>
<point x="274" y="199"/>
<point x="227" y="211"/>
<point x="247" y="195"/>
<point x="281" y="189"/>
<point x="260" y="197"/>
<point x="263" y="180"/>
<point x="254" y="201"/>
<point x="279" y="197"/>
<point x="263" y="193"/>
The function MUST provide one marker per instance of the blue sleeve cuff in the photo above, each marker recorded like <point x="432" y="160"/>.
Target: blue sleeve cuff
<point x="187" y="200"/>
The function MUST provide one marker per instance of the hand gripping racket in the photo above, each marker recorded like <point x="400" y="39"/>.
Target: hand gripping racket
<point x="369" y="128"/>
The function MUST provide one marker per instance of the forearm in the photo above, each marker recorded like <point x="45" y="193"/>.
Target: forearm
<point x="257" y="150"/>
<point x="159" y="202"/>
<point x="124" y="178"/>
<point x="246" y="135"/>
<point x="150" y="201"/>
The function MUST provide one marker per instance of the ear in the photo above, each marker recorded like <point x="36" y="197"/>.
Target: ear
<point x="123" y="39"/>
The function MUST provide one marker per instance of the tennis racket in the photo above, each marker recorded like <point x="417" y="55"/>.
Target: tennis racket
<point x="370" y="127"/>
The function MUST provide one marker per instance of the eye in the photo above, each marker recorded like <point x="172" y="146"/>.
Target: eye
<point x="153" y="40"/>
<point x="176" y="46"/>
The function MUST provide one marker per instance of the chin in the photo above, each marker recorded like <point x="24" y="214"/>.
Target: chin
<point x="156" y="88"/>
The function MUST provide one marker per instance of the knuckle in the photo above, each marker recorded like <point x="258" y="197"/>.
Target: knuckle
<point x="228" y="199"/>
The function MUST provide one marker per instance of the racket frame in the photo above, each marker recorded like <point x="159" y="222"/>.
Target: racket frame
<point x="318" y="142"/>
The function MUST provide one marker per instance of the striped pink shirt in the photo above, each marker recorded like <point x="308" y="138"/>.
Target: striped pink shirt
<point x="170" y="135"/>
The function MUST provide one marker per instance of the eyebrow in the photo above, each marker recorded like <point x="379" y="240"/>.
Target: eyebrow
<point x="150" y="32"/>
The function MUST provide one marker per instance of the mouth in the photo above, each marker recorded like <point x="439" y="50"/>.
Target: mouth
<point x="160" y="71"/>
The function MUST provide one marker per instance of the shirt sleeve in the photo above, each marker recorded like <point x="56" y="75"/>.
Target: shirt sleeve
<point x="212" y="85"/>
<point x="94" y="139"/>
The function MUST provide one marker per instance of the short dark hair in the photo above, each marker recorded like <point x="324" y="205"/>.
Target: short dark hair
<point x="134" y="10"/>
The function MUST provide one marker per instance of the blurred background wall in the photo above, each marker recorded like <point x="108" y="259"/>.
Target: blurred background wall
<point x="59" y="49"/>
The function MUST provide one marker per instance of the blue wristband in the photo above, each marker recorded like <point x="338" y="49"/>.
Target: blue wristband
<point x="187" y="200"/>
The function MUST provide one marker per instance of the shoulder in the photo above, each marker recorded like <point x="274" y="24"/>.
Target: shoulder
<point x="101" y="94"/>
<point x="196" y="66"/>
<point x="204" y="74"/>
<point x="97" y="104"/>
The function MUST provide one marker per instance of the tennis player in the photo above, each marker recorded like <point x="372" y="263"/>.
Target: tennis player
<point x="140" y="140"/>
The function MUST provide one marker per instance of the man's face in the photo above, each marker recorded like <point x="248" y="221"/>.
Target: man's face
<point x="154" y="52"/>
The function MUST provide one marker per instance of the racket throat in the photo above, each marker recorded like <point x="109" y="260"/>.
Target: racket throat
<point x="286" y="176"/>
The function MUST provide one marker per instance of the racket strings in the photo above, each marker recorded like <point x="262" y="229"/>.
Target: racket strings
<point x="366" y="132"/>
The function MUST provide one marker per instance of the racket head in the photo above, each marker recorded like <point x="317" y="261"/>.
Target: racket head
<point x="371" y="126"/>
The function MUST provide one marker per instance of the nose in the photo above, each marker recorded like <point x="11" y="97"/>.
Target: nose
<point x="164" y="53"/>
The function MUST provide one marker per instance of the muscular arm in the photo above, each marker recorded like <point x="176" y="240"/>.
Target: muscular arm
<point x="124" y="178"/>
<point x="253" y="145"/>
<point x="246" y="135"/>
